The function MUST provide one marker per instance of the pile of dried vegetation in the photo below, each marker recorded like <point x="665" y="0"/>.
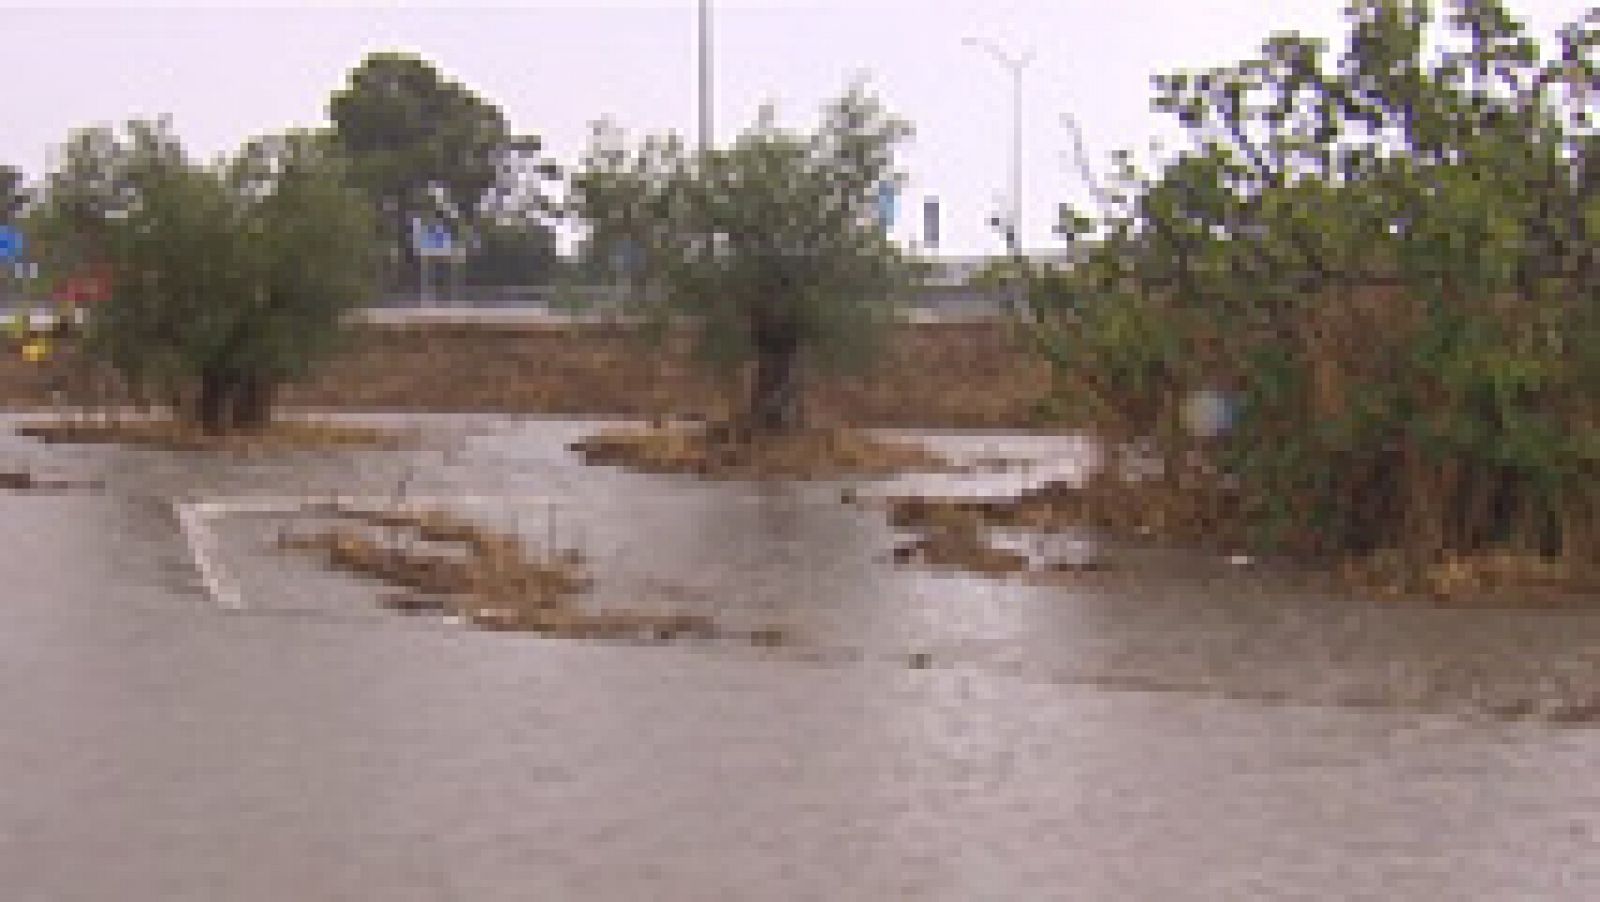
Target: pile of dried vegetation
<point x="727" y="452"/>
<point x="446" y="564"/>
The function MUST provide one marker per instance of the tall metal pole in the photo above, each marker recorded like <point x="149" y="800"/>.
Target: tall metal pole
<point x="705" y="75"/>
<point x="703" y="163"/>
<point x="1015" y="65"/>
<point x="1016" y="159"/>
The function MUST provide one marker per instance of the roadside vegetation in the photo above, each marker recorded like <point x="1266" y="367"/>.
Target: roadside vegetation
<point x="769" y="254"/>
<point x="230" y="278"/>
<point x="1360" y="316"/>
<point x="427" y="149"/>
<point x="218" y="283"/>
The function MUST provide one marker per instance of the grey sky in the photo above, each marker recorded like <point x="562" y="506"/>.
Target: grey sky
<point x="228" y="71"/>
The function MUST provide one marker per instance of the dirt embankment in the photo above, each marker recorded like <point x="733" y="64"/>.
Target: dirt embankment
<point x="953" y="375"/>
<point x="968" y="375"/>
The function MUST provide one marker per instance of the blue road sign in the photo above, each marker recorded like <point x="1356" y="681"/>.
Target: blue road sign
<point x="886" y="198"/>
<point x="11" y="244"/>
<point x="431" y="239"/>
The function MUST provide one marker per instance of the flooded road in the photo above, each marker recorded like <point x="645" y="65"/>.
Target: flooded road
<point x="1172" y="728"/>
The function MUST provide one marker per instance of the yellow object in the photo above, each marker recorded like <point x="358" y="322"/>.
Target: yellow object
<point x="35" y="351"/>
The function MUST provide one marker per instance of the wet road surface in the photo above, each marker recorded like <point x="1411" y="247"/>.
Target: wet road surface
<point x="1179" y="734"/>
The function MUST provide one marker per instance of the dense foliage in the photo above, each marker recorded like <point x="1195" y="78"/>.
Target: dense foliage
<point x="516" y="252"/>
<point x="1390" y="259"/>
<point x="424" y="146"/>
<point x="771" y="249"/>
<point x="229" y="279"/>
<point x="13" y="193"/>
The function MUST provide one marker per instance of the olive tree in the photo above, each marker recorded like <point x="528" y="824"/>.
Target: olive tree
<point x="771" y="250"/>
<point x="229" y="279"/>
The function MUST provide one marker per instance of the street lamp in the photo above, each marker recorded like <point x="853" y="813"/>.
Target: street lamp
<point x="705" y="75"/>
<point x="1015" y="65"/>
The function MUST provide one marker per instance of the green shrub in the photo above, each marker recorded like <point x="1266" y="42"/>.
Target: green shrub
<point x="1390" y="260"/>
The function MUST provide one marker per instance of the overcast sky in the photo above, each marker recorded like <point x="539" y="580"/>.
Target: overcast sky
<point x="229" y="71"/>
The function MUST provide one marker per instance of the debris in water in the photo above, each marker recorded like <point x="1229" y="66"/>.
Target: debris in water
<point x="485" y="578"/>
<point x="722" y="450"/>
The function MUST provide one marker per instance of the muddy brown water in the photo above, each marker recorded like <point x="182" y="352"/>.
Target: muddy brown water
<point x="1173" y="727"/>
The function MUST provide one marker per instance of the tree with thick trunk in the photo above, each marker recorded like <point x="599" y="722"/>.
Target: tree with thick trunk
<point x="773" y="250"/>
<point x="229" y="279"/>
<point x="776" y="388"/>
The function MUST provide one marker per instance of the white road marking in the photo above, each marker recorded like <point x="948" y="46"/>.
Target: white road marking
<point x="195" y="518"/>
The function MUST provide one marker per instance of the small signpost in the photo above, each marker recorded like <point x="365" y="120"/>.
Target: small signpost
<point x="430" y="240"/>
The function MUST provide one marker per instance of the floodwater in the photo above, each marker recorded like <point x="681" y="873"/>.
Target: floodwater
<point x="1174" y="727"/>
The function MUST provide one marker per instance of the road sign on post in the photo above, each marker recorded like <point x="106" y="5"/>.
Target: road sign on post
<point x="11" y="244"/>
<point x="431" y="239"/>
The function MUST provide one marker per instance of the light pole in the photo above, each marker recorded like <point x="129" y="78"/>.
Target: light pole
<point x="705" y="75"/>
<point x="702" y="164"/>
<point x="1014" y="65"/>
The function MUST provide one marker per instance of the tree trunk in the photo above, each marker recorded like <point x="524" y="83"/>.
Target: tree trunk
<point x="213" y="406"/>
<point x="231" y="402"/>
<point x="252" y="403"/>
<point x="775" y="392"/>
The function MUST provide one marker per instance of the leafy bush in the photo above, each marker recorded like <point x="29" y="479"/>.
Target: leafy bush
<point x="770" y="249"/>
<point x="229" y="279"/>
<point x="1391" y="259"/>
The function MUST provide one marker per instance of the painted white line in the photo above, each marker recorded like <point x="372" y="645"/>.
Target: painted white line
<point x="201" y="550"/>
<point x="194" y="519"/>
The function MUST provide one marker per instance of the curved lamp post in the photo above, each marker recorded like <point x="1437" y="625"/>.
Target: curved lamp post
<point x="1014" y="65"/>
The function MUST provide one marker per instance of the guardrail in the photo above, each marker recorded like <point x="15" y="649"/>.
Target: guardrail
<point x="553" y="297"/>
<point x="598" y="299"/>
<point x="560" y="302"/>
